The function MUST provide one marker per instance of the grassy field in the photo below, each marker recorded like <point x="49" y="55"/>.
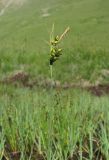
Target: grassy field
<point x="43" y="123"/>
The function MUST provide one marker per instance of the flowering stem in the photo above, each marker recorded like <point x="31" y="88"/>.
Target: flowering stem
<point x="51" y="76"/>
<point x="51" y="72"/>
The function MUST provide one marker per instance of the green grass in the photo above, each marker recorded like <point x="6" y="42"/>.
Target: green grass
<point x="23" y="33"/>
<point x="55" y="124"/>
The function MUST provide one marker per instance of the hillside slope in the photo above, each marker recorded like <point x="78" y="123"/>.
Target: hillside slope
<point x="24" y="30"/>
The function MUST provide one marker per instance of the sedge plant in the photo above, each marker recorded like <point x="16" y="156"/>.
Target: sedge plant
<point x="55" y="50"/>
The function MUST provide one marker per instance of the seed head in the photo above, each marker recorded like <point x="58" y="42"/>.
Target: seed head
<point x="55" y="50"/>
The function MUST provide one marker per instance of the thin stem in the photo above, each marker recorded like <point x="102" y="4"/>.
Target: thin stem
<point x="51" y="72"/>
<point x="51" y="76"/>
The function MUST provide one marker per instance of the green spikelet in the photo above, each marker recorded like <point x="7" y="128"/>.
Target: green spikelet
<point x="55" y="50"/>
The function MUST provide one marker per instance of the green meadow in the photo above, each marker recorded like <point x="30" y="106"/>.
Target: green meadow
<point x="43" y="122"/>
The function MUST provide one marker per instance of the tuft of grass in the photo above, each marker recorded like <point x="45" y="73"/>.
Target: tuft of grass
<point x="71" y="124"/>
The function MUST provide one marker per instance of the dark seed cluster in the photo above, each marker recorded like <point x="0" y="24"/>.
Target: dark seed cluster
<point x="55" y="51"/>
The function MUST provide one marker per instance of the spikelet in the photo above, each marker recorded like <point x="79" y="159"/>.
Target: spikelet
<point x="55" y="51"/>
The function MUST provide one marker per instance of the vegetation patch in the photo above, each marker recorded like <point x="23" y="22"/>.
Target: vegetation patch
<point x="55" y="106"/>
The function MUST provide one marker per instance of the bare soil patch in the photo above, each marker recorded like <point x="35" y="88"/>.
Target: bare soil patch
<point x="5" y="4"/>
<point x="9" y="2"/>
<point x="23" y="79"/>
